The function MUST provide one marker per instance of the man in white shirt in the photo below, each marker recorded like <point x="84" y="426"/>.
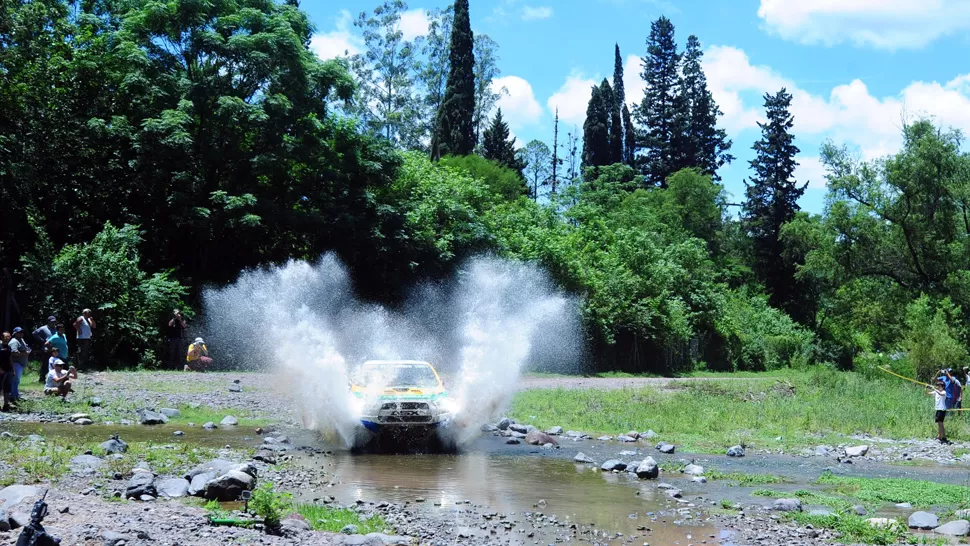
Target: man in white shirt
<point x="59" y="381"/>
<point x="85" y="328"/>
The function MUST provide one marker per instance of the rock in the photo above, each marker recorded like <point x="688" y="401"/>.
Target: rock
<point x="575" y="434"/>
<point x="197" y="484"/>
<point x="85" y="463"/>
<point x="171" y="413"/>
<point x="859" y="510"/>
<point x="694" y="470"/>
<point x="172" y="487"/>
<point x="955" y="528"/>
<point x="787" y="505"/>
<point x="229" y="486"/>
<point x="13" y="495"/>
<point x="665" y="448"/>
<point x="114" y="445"/>
<point x="215" y="466"/>
<point x="4" y="521"/>
<point x="141" y="483"/>
<point x="583" y="458"/>
<point x="517" y="435"/>
<point x="142" y="466"/>
<point x="229" y="421"/>
<point x="822" y="451"/>
<point x="84" y="421"/>
<point x="235" y="388"/>
<point x="735" y="451"/>
<point x="125" y="422"/>
<point x="266" y="456"/>
<point x="209" y="426"/>
<point x="19" y="518"/>
<point x="548" y="446"/>
<point x="77" y="416"/>
<point x="294" y="524"/>
<point x="923" y="520"/>
<point x="903" y="505"/>
<point x="554" y="431"/>
<point x="626" y="439"/>
<point x="349" y="530"/>
<point x="34" y="438"/>
<point x="149" y="417"/>
<point x="536" y="438"/>
<point x="648" y="435"/>
<point x="674" y="493"/>
<point x="613" y="464"/>
<point x="633" y="434"/>
<point x="605" y="438"/>
<point x="699" y="479"/>
<point x="485" y="428"/>
<point x="648" y="469"/>
<point x="513" y="441"/>
<point x="522" y="429"/>
<point x="112" y="538"/>
<point x="178" y="433"/>
<point x="856" y="451"/>
<point x="95" y="402"/>
<point x="146" y="498"/>
<point x="504" y="424"/>
<point x="7" y="435"/>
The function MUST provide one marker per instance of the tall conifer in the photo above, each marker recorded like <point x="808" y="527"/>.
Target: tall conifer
<point x="455" y="132"/>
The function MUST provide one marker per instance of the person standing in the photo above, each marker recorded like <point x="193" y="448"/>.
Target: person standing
<point x="6" y="370"/>
<point x="42" y="334"/>
<point x="85" y="326"/>
<point x="176" y="338"/>
<point x="57" y="342"/>
<point x="940" y="393"/>
<point x="20" y="352"/>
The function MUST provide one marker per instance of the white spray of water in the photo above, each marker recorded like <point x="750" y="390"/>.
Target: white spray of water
<point x="480" y="331"/>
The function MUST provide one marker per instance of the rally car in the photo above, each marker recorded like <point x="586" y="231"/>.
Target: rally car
<point x="401" y="402"/>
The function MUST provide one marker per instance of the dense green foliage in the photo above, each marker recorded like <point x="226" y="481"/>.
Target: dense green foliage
<point x="496" y="145"/>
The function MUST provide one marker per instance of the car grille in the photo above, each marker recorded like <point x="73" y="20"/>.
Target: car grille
<point x="404" y="413"/>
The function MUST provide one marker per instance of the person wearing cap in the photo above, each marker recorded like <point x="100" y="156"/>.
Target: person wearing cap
<point x="197" y="359"/>
<point x="58" y="341"/>
<point x="42" y="334"/>
<point x="20" y="352"/>
<point x="6" y="370"/>
<point x="58" y="380"/>
<point x="85" y="329"/>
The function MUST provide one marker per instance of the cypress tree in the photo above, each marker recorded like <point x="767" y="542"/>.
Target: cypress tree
<point x="661" y="113"/>
<point x="772" y="200"/>
<point x="455" y="133"/>
<point x="618" y="125"/>
<point x="705" y="146"/>
<point x="629" y="139"/>
<point x="596" y="129"/>
<point x="496" y="145"/>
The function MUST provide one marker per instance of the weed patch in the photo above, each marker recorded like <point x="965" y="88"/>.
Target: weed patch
<point x="919" y="493"/>
<point x="326" y="518"/>
<point x="852" y="529"/>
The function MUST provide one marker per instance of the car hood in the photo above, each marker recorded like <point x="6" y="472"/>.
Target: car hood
<point x="410" y="393"/>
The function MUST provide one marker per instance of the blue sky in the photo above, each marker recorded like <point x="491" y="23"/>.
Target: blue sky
<point x="856" y="68"/>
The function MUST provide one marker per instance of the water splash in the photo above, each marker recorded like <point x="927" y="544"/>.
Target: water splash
<point x="481" y="330"/>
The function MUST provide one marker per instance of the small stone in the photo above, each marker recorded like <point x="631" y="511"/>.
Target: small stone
<point x="170" y="412"/>
<point x="693" y="470"/>
<point x="648" y="435"/>
<point x="859" y="510"/>
<point x="626" y="439"/>
<point x="787" y="505"/>
<point x="294" y="524"/>
<point x="605" y="438"/>
<point x="84" y="421"/>
<point x="229" y="421"/>
<point x="149" y="417"/>
<point x="583" y="458"/>
<point x="735" y="451"/>
<point x="349" y="530"/>
<point x="665" y="448"/>
<point x="114" y="445"/>
<point x="648" y="469"/>
<point x="95" y="402"/>
<point x="125" y="422"/>
<point x="178" y="433"/>
<point x="856" y="451"/>
<point x="923" y="520"/>
<point x="612" y="465"/>
<point x="112" y="538"/>
<point x="235" y="388"/>
<point x="513" y="441"/>
<point x="77" y="416"/>
<point x="504" y="424"/>
<point x="699" y="479"/>
<point x="554" y="431"/>
<point x="209" y="426"/>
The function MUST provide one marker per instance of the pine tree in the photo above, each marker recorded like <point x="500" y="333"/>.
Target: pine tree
<point x="455" y="133"/>
<point x="772" y="200"/>
<point x="556" y="160"/>
<point x="596" y="129"/>
<point x="618" y="126"/>
<point x="496" y="145"/>
<point x="661" y="113"/>
<point x="705" y="146"/>
<point x="629" y="139"/>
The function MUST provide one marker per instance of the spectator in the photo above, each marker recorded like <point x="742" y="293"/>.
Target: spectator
<point x="57" y="341"/>
<point x="940" y="406"/>
<point x="176" y="338"/>
<point x="59" y="381"/>
<point x="20" y="352"/>
<point x="197" y="358"/>
<point x="6" y="370"/>
<point x="42" y="334"/>
<point x="949" y="386"/>
<point x="85" y="328"/>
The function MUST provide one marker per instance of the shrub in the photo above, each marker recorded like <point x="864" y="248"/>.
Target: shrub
<point x="759" y="337"/>
<point x="931" y="340"/>
<point x="270" y="505"/>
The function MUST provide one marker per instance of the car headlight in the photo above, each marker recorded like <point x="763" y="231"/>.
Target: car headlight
<point x="448" y="405"/>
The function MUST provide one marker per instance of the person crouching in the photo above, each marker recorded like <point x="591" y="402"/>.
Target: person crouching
<point x="58" y="380"/>
<point x="197" y="359"/>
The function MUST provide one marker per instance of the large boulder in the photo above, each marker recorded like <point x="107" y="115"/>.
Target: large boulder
<point x="923" y="520"/>
<point x="215" y="466"/>
<point x="613" y="464"/>
<point x="172" y="487"/>
<point x="171" y="413"/>
<point x="141" y="483"/>
<point x="197" y="484"/>
<point x="956" y="528"/>
<point x="788" y="505"/>
<point x="856" y="451"/>
<point x="229" y="486"/>
<point x="149" y="417"/>
<point x="114" y="445"/>
<point x="647" y="469"/>
<point x="536" y="438"/>
<point x="13" y="495"/>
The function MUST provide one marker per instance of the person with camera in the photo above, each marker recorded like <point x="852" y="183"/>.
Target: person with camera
<point x="58" y="380"/>
<point x="176" y="338"/>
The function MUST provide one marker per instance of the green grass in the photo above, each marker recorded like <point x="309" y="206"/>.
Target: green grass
<point x="326" y="518"/>
<point x="852" y="529"/>
<point x="708" y="416"/>
<point x="919" y="493"/>
<point x="742" y="478"/>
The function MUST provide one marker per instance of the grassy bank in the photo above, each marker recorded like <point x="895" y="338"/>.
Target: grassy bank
<point x="803" y="408"/>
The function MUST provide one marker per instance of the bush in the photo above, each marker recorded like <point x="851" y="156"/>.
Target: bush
<point x="270" y="505"/>
<point x="931" y="340"/>
<point x="503" y="181"/>
<point x="129" y="304"/>
<point x="759" y="337"/>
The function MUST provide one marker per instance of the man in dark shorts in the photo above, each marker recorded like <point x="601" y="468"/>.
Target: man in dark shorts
<point x="940" y="396"/>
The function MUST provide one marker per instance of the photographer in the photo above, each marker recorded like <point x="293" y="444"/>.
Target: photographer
<point x="59" y="381"/>
<point x="176" y="338"/>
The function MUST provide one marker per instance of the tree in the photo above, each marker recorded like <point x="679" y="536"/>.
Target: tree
<point x="496" y="145"/>
<point x="486" y="70"/>
<point x="537" y="160"/>
<point x="629" y="139"/>
<point x="572" y="149"/>
<point x="618" y="125"/>
<point x="387" y="100"/>
<point x="705" y="146"/>
<point x="596" y="129"/>
<point x="455" y="132"/>
<point x="772" y="200"/>
<point x="661" y="113"/>
<point x="433" y="74"/>
<point x="556" y="160"/>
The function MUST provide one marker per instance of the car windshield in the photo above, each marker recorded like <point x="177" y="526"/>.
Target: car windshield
<point x="399" y="375"/>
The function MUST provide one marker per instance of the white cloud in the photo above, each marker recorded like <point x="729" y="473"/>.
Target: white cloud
<point x="882" y="24"/>
<point x="810" y="169"/>
<point x="519" y="105"/>
<point x="633" y="84"/>
<point x="338" y="42"/>
<point x="534" y="13"/>
<point x="572" y="99"/>
<point x="414" y="23"/>
<point x="849" y="114"/>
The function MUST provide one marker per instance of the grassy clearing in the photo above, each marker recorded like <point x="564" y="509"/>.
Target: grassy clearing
<point x="707" y="416"/>
<point x="919" y="493"/>
<point x="327" y="518"/>
<point x="852" y="529"/>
